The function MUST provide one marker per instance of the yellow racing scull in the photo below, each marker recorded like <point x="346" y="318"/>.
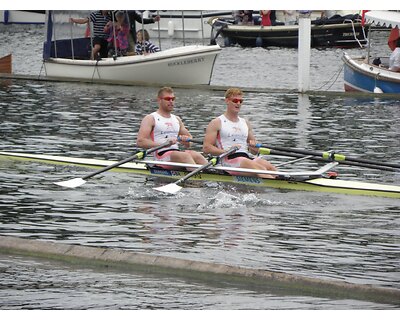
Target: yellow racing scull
<point x="299" y="180"/>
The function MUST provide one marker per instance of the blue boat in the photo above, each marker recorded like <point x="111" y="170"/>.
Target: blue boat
<point x="359" y="75"/>
<point x="365" y="74"/>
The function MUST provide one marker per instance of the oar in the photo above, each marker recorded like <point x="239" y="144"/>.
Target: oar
<point x="293" y="161"/>
<point x="174" y="187"/>
<point x="73" y="183"/>
<point x="329" y="156"/>
<point x="191" y="140"/>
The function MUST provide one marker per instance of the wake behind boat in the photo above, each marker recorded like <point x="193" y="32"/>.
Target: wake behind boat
<point x="69" y="59"/>
<point x="316" y="180"/>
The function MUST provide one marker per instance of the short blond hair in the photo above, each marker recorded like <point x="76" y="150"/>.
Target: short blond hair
<point x="233" y="92"/>
<point x="164" y="89"/>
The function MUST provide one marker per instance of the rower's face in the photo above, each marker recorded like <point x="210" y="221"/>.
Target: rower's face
<point x="234" y="103"/>
<point x="167" y="101"/>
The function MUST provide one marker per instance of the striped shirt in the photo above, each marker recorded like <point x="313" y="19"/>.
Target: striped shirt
<point x="148" y="47"/>
<point x="99" y="22"/>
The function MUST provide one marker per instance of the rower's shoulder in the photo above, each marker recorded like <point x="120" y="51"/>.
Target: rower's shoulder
<point x="148" y="119"/>
<point x="215" y="122"/>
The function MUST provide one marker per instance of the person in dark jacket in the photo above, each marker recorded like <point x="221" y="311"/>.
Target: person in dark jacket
<point x="137" y="16"/>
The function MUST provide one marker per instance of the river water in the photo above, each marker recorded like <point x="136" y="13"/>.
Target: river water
<point x="327" y="236"/>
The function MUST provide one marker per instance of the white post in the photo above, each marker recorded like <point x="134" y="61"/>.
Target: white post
<point x="304" y="50"/>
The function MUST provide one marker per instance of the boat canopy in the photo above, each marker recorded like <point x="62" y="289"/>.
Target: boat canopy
<point x="383" y="18"/>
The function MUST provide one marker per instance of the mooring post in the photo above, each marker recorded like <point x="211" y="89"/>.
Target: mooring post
<point x="304" y="50"/>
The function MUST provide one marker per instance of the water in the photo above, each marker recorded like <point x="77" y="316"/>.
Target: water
<point x="327" y="236"/>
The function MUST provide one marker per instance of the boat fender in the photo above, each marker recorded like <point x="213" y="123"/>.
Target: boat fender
<point x="378" y="90"/>
<point x="259" y="42"/>
<point x="171" y="28"/>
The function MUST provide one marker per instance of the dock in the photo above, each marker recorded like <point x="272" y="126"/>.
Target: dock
<point x="253" y="279"/>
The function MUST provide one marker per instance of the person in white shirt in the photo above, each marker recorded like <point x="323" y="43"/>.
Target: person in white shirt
<point x="229" y="130"/>
<point x="394" y="59"/>
<point x="161" y="126"/>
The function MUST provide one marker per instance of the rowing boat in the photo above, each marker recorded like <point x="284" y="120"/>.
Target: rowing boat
<point x="300" y="180"/>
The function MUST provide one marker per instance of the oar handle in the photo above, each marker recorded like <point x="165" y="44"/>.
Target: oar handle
<point x="139" y="155"/>
<point x="225" y="154"/>
<point x="191" y="140"/>
<point x="328" y="156"/>
<point x="212" y="162"/>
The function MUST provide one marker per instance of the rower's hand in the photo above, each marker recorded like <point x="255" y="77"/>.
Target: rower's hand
<point x="172" y="141"/>
<point x="252" y="146"/>
<point x="184" y="139"/>
<point x="252" y="143"/>
<point x="237" y="146"/>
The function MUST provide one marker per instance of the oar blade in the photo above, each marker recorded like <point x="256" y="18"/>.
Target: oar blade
<point x="171" y="188"/>
<point x="73" y="183"/>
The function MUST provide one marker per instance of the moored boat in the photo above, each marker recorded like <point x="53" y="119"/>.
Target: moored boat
<point x="6" y="64"/>
<point x="178" y="24"/>
<point x="345" y="34"/>
<point x="366" y="75"/>
<point x="363" y="76"/>
<point x="22" y="16"/>
<point x="290" y="180"/>
<point x="69" y="59"/>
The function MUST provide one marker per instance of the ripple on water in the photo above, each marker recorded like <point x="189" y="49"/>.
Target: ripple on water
<point x="319" y="235"/>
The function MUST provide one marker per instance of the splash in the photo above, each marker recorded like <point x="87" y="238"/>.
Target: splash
<point x="224" y="199"/>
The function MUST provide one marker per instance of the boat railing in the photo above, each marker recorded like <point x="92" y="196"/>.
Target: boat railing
<point x="355" y="33"/>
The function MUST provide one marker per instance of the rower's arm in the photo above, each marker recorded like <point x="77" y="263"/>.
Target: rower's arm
<point x="79" y="20"/>
<point x="184" y="134"/>
<point x="144" y="139"/>
<point x="251" y="139"/>
<point x="210" y="139"/>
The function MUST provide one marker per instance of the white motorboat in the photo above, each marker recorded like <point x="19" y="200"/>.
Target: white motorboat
<point x="22" y="16"/>
<point x="69" y="59"/>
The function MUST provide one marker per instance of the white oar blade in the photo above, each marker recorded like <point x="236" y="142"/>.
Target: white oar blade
<point x="169" y="188"/>
<point x="73" y="183"/>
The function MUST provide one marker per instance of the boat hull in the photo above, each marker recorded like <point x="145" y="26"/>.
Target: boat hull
<point x="316" y="185"/>
<point x="363" y="77"/>
<point x="332" y="35"/>
<point x="178" y="24"/>
<point x="6" y="64"/>
<point x="22" y="16"/>
<point x="191" y="65"/>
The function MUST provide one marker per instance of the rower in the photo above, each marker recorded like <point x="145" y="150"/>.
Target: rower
<point x="161" y="126"/>
<point x="229" y="130"/>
